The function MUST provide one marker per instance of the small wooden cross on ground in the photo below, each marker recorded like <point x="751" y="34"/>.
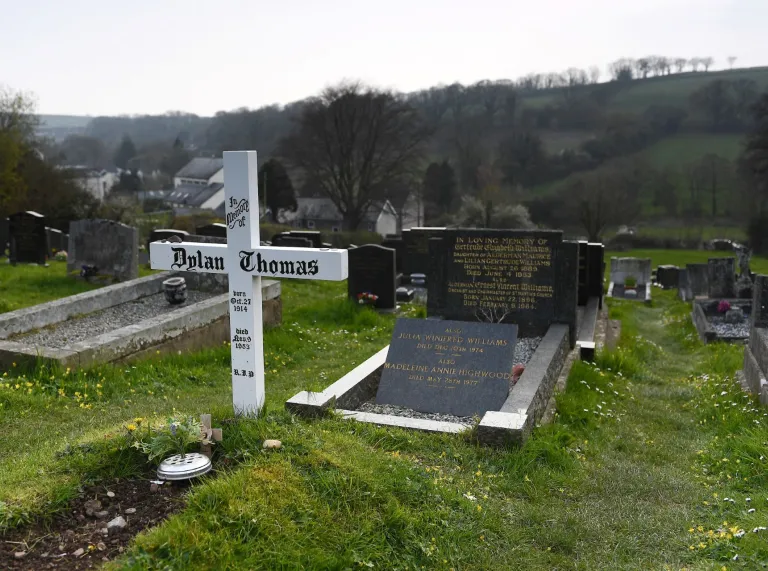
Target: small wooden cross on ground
<point x="245" y="261"/>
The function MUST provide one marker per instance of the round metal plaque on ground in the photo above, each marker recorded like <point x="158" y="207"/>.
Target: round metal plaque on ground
<point x="185" y="467"/>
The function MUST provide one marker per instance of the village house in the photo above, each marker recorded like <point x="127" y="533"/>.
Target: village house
<point x="322" y="214"/>
<point x="199" y="185"/>
<point x="96" y="182"/>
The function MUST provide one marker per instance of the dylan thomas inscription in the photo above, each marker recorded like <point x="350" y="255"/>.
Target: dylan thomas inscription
<point x="453" y="367"/>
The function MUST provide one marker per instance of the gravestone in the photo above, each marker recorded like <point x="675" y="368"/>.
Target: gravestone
<point x="529" y="278"/>
<point x="721" y="277"/>
<point x="638" y="268"/>
<point x="314" y="236"/>
<point x="698" y="279"/>
<point x="110" y="246"/>
<point x="372" y="270"/>
<point x="55" y="241"/>
<point x="28" y="238"/>
<point x="583" y="272"/>
<point x="453" y="367"/>
<point x="668" y="276"/>
<point x="596" y="270"/>
<point x="164" y="234"/>
<point x="683" y="285"/>
<point x="416" y="255"/>
<point x="216" y="230"/>
<point x="398" y="246"/>
<point x="288" y="241"/>
<point x="759" y="317"/>
<point x="4" y="236"/>
<point x="245" y="261"/>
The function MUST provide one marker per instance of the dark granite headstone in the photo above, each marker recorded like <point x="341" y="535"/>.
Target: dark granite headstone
<point x="435" y="280"/>
<point x="759" y="317"/>
<point x="28" y="238"/>
<point x="722" y="277"/>
<point x="4" y="236"/>
<point x="583" y="272"/>
<point x="416" y="254"/>
<point x="372" y="270"/>
<point x="217" y="230"/>
<point x="110" y="246"/>
<point x="529" y="278"/>
<point x="668" y="276"/>
<point x="596" y="270"/>
<point x="313" y="236"/>
<point x="288" y="241"/>
<point x="398" y="246"/>
<point x="454" y="367"/>
<point x="698" y="279"/>
<point x="164" y="234"/>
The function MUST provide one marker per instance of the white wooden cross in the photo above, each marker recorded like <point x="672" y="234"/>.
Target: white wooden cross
<point x="245" y="261"/>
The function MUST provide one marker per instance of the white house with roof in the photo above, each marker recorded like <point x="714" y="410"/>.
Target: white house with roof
<point x="320" y="213"/>
<point x="97" y="182"/>
<point x="199" y="185"/>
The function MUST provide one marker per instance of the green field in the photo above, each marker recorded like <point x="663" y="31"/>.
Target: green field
<point x="681" y="150"/>
<point x="637" y="470"/>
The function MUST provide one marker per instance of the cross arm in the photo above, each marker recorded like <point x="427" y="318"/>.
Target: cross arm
<point x="301" y="263"/>
<point x="189" y="257"/>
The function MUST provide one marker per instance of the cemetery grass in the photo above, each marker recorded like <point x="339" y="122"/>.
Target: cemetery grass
<point x="632" y="474"/>
<point x="758" y="264"/>
<point x="25" y="285"/>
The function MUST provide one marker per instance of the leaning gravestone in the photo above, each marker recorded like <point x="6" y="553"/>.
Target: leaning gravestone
<point x="722" y="278"/>
<point x="526" y="277"/>
<point x="372" y="270"/>
<point x="216" y="230"/>
<point x="28" y="238"/>
<point x="451" y="367"/>
<point x="111" y="247"/>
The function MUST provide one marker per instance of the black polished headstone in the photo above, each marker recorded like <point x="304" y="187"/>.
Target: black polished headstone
<point x="583" y="272"/>
<point x="313" y="236"/>
<point x="527" y="277"/>
<point x="668" y="276"/>
<point x="398" y="246"/>
<point x="759" y="317"/>
<point x="722" y="277"/>
<point x="28" y="238"/>
<point x="55" y="241"/>
<point x="416" y="254"/>
<point x="372" y="270"/>
<point x="435" y="281"/>
<point x="216" y="230"/>
<point x="453" y="367"/>
<point x="288" y="241"/>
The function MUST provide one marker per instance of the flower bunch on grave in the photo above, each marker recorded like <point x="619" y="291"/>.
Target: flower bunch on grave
<point x="630" y="282"/>
<point x="87" y="271"/>
<point x="60" y="256"/>
<point x="175" y="437"/>
<point x="723" y="306"/>
<point x="367" y="298"/>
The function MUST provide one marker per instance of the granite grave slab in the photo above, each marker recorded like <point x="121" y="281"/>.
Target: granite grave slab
<point x="372" y="270"/>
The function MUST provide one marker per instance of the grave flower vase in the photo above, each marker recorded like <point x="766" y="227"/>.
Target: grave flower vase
<point x="175" y="290"/>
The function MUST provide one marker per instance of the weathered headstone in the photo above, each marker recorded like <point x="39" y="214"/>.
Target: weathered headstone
<point x="454" y="367"/>
<point x="314" y="236"/>
<point x="288" y="241"/>
<point x="110" y="246"/>
<point x="216" y="230"/>
<point x="722" y="277"/>
<point x="698" y="279"/>
<point x="529" y="278"/>
<point x="683" y="285"/>
<point x="4" y="236"/>
<point x="244" y="260"/>
<point x="372" y="270"/>
<point x="28" y="238"/>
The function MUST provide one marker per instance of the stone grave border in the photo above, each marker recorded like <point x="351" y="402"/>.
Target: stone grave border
<point x="753" y="375"/>
<point x="619" y="272"/>
<point x="522" y="410"/>
<point x="199" y="325"/>
<point x="705" y="330"/>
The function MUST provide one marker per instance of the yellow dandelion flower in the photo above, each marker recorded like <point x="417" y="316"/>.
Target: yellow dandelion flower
<point x="131" y="427"/>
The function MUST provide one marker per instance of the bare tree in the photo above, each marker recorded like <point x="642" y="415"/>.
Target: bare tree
<point x="731" y="61"/>
<point x="354" y="142"/>
<point x="622" y="69"/>
<point x="694" y="62"/>
<point x="594" y="74"/>
<point x="680" y="64"/>
<point x="707" y="62"/>
<point x="643" y="67"/>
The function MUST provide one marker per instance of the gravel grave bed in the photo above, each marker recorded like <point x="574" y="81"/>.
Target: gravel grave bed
<point x="78" y="537"/>
<point x="723" y="329"/>
<point x="618" y="291"/>
<point x="99" y="322"/>
<point x="524" y="350"/>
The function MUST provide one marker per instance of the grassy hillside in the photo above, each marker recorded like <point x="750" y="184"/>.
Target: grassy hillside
<point x="686" y="148"/>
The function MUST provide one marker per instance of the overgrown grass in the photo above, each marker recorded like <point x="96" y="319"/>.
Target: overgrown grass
<point x="631" y="463"/>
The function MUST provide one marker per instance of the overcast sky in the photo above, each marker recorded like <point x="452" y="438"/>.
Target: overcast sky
<point x="150" y="56"/>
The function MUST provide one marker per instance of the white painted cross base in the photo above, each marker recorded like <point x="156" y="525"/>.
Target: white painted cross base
<point x="245" y="262"/>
